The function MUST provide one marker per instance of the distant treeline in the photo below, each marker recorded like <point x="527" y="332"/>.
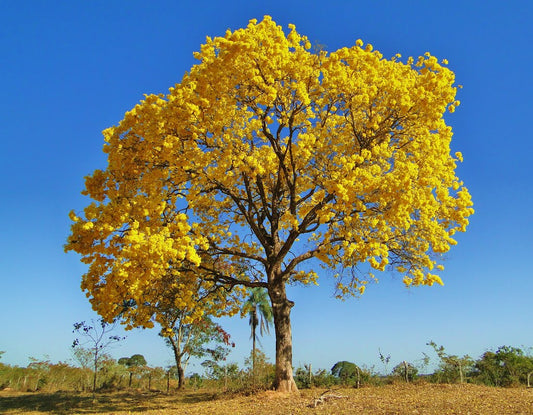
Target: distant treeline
<point x="43" y="375"/>
<point x="507" y="366"/>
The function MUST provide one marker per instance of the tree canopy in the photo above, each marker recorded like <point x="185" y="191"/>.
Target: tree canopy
<point x="135" y="360"/>
<point x="267" y="155"/>
<point x="344" y="369"/>
<point x="507" y="366"/>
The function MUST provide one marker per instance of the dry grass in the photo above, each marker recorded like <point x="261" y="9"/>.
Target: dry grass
<point x="392" y="399"/>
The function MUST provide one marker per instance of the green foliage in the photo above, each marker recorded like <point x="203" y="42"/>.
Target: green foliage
<point x="98" y="338"/>
<point x="197" y="338"/>
<point x="224" y="376"/>
<point x="259" y="370"/>
<point x="83" y="356"/>
<point x="385" y="360"/>
<point x="136" y="360"/>
<point x="320" y="378"/>
<point x="136" y="365"/>
<point x="303" y="378"/>
<point x="508" y="366"/>
<point x="196" y="381"/>
<point x="213" y="365"/>
<point x="221" y="372"/>
<point x="345" y="371"/>
<point x="350" y="374"/>
<point x="45" y="376"/>
<point x="323" y="379"/>
<point x="155" y="375"/>
<point x="259" y="311"/>
<point x="405" y="371"/>
<point x="452" y="368"/>
<point x="228" y="376"/>
<point x="342" y="373"/>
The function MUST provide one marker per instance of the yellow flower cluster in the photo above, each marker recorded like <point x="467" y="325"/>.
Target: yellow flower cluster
<point x="266" y="148"/>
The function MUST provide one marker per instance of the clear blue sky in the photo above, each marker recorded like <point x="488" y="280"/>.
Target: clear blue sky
<point x="68" y="70"/>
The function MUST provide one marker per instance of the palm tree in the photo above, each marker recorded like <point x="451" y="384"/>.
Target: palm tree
<point x="260" y="313"/>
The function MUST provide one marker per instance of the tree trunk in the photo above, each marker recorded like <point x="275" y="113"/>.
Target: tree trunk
<point x="181" y="376"/>
<point x="179" y="366"/>
<point x="281" y="309"/>
<point x="225" y="377"/>
<point x="253" y="356"/>
<point x="95" y="373"/>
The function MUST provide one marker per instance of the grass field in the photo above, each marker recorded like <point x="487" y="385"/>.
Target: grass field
<point x="391" y="399"/>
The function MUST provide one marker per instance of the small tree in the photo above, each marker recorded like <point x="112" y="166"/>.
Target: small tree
<point x="348" y="373"/>
<point x="385" y="360"/>
<point x="154" y="374"/>
<point x="213" y="364"/>
<point x="451" y="365"/>
<point x="260" y="369"/>
<point x="96" y="336"/>
<point x="321" y="378"/>
<point x="195" y="380"/>
<point x="41" y="369"/>
<point x="85" y="359"/>
<point x="259" y="311"/>
<point x="133" y="363"/>
<point x="191" y="338"/>
<point x="405" y="371"/>
<point x="216" y="370"/>
<point x="506" y="367"/>
<point x="186" y="326"/>
<point x="303" y="376"/>
<point x="423" y="362"/>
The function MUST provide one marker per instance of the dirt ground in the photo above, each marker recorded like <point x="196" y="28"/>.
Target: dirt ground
<point x="391" y="399"/>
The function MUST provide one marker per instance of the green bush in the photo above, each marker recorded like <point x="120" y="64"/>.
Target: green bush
<point x="195" y="381"/>
<point x="508" y="366"/>
<point x="399" y="372"/>
<point x="320" y="379"/>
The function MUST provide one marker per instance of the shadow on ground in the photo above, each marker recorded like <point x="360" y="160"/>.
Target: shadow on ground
<point x="64" y="403"/>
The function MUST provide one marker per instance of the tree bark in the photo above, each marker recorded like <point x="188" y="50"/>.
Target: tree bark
<point x="281" y="310"/>
<point x="181" y="376"/>
<point x="253" y="356"/>
<point x="95" y="372"/>
<point x="179" y="366"/>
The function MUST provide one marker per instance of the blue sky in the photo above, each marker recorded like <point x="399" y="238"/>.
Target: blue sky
<point x="71" y="69"/>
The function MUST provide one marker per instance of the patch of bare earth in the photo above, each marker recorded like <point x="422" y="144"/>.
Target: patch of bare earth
<point x="391" y="399"/>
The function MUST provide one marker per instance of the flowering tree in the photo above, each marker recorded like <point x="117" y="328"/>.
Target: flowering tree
<point x="267" y="156"/>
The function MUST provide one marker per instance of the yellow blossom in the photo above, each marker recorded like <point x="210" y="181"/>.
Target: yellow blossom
<point x="268" y="155"/>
